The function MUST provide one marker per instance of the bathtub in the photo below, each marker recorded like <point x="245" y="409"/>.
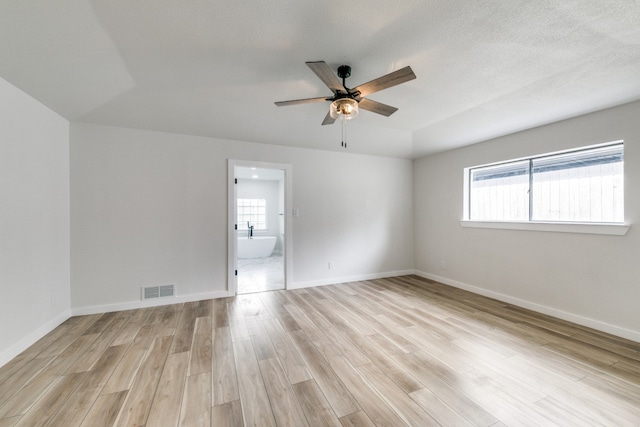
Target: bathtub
<point x="256" y="247"/>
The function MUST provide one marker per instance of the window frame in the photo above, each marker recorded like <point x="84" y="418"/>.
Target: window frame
<point x="612" y="228"/>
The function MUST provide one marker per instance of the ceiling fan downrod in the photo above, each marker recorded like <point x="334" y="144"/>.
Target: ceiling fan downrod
<point x="344" y="72"/>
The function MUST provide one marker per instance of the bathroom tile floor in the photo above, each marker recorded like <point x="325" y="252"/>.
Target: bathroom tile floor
<point x="260" y="274"/>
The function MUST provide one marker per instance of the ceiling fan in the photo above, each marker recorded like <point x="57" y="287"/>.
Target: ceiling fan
<point x="345" y="101"/>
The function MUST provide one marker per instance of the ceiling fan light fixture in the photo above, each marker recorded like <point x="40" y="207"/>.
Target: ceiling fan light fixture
<point x="345" y="108"/>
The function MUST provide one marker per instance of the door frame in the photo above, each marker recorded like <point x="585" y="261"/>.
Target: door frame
<point x="232" y="244"/>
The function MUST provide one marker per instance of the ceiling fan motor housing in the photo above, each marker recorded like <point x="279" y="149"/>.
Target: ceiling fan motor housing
<point x="344" y="71"/>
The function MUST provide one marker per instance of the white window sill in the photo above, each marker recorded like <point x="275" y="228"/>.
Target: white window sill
<point x="556" y="227"/>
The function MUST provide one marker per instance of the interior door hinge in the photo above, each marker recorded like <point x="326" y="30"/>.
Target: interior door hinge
<point x="236" y="226"/>
<point x="236" y="272"/>
<point x="236" y="180"/>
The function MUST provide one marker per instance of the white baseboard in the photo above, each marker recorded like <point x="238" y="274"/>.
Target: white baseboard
<point x="132" y="305"/>
<point x="33" y="337"/>
<point x="580" y="320"/>
<point x="347" y="279"/>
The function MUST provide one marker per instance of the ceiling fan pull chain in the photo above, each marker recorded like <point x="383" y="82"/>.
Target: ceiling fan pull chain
<point x="344" y="132"/>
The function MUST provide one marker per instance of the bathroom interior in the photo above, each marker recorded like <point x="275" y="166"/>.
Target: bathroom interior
<point x="260" y="220"/>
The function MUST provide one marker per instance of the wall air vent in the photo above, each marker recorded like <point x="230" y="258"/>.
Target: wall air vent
<point x="159" y="291"/>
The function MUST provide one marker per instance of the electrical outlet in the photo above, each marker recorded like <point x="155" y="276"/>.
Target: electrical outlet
<point x="331" y="266"/>
<point x="443" y="265"/>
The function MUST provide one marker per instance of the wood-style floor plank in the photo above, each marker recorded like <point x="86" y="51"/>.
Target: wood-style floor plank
<point x="168" y="398"/>
<point x="201" y="349"/>
<point x="18" y="380"/>
<point x="24" y="399"/>
<point x="290" y="359"/>
<point x="10" y="422"/>
<point x="127" y="369"/>
<point x="104" y="411"/>
<point x="357" y="419"/>
<point x="285" y="406"/>
<point x="98" y="346"/>
<point x="373" y="404"/>
<point x="426" y="370"/>
<point x="228" y="415"/>
<point x="60" y="344"/>
<point x="225" y="379"/>
<point x="262" y="345"/>
<point x="83" y="397"/>
<point x="402" y="404"/>
<point x="313" y="329"/>
<point x="135" y="409"/>
<point x="277" y="310"/>
<point x="133" y="325"/>
<point x="315" y="405"/>
<point x="256" y="409"/>
<point x="387" y="352"/>
<point x="183" y="336"/>
<point x="46" y="407"/>
<point x="220" y="317"/>
<point x="196" y="403"/>
<point x="340" y="399"/>
<point x="170" y="319"/>
<point x="439" y="410"/>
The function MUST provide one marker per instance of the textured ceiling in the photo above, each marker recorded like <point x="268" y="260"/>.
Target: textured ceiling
<point x="215" y="67"/>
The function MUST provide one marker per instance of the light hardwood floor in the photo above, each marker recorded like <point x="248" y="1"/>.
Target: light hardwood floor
<point x="389" y="352"/>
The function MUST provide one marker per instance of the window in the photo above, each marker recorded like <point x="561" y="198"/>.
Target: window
<point x="500" y="192"/>
<point x="584" y="185"/>
<point x="253" y="211"/>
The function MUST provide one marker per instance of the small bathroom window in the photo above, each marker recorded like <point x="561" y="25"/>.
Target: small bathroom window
<point x="253" y="211"/>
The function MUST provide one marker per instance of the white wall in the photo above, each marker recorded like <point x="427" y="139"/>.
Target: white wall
<point x="590" y="279"/>
<point x="149" y="208"/>
<point x="34" y="220"/>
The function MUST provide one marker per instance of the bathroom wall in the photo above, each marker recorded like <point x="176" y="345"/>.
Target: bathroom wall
<point x="150" y="208"/>
<point x="34" y="220"/>
<point x="263" y="189"/>
<point x="586" y="278"/>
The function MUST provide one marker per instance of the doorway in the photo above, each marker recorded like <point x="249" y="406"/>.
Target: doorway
<point x="259" y="235"/>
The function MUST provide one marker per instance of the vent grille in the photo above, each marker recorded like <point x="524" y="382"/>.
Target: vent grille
<point x="159" y="291"/>
<point x="166" y="291"/>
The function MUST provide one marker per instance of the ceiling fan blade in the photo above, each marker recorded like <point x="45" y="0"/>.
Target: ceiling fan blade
<point x="300" y="101"/>
<point x="392" y="79"/>
<point x="377" y="107"/>
<point x="326" y="74"/>
<point x="328" y="120"/>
